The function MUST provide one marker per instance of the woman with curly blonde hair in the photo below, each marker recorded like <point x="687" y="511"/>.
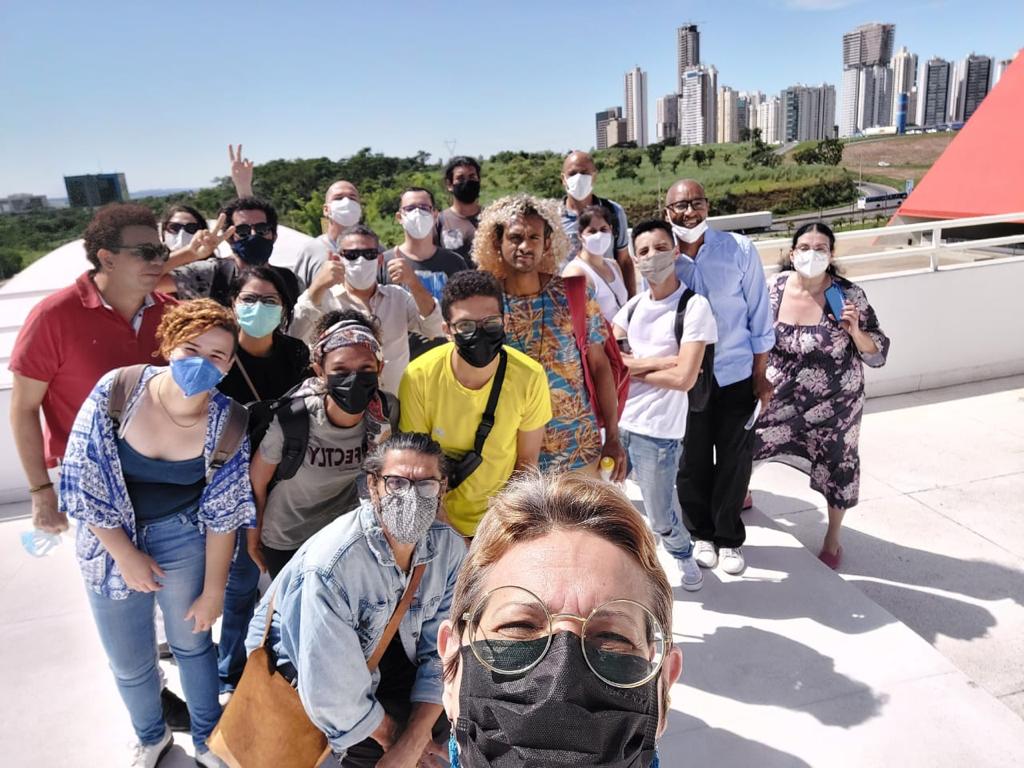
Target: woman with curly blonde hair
<point x="159" y="489"/>
<point x="521" y="242"/>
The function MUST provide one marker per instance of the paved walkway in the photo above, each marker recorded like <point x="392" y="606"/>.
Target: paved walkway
<point x="915" y="657"/>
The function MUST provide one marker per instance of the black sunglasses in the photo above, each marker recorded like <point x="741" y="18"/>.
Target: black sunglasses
<point x="354" y="254"/>
<point x="174" y="227"/>
<point x="244" y="231"/>
<point x="146" y="251"/>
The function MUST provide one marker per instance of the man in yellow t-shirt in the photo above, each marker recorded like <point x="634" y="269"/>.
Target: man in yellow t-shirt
<point x="445" y="391"/>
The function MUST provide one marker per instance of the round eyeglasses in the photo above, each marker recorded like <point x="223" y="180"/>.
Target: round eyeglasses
<point x="510" y="632"/>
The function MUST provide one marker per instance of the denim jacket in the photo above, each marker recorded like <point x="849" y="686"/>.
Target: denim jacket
<point x="331" y="605"/>
<point x="93" y="491"/>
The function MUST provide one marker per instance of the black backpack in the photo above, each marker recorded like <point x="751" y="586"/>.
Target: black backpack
<point x="700" y="393"/>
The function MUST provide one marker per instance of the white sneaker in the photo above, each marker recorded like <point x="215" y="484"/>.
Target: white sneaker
<point x="704" y="553"/>
<point x="209" y="760"/>
<point x="732" y="560"/>
<point x="148" y="755"/>
<point x="693" y="578"/>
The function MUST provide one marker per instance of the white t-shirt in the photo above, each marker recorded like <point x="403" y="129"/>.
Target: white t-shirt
<point x="650" y="410"/>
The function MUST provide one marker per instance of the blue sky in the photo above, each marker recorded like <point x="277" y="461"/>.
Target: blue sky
<point x="157" y="90"/>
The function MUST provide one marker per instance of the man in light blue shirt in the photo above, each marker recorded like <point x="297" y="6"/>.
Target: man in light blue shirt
<point x="334" y="598"/>
<point x="718" y="448"/>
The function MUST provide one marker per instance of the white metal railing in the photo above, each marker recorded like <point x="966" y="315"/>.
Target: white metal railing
<point x="935" y="248"/>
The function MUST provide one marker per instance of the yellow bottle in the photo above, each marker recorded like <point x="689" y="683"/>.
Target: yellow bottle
<point x="607" y="466"/>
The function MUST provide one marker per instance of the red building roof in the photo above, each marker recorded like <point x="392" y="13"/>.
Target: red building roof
<point x="981" y="173"/>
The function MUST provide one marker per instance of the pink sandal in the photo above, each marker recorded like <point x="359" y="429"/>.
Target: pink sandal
<point x="832" y="561"/>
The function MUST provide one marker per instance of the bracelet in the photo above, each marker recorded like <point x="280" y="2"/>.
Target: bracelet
<point x="42" y="487"/>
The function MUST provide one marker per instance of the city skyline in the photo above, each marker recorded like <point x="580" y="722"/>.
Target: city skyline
<point x="162" y="107"/>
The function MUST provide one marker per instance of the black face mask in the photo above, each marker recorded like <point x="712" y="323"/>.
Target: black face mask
<point x="254" y="249"/>
<point x="557" y="714"/>
<point x="466" y="191"/>
<point x="352" y="391"/>
<point x="481" y="348"/>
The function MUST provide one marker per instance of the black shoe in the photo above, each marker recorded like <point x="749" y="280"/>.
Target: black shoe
<point x="163" y="651"/>
<point x="175" y="712"/>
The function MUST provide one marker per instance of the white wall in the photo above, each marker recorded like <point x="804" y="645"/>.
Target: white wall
<point x="948" y="327"/>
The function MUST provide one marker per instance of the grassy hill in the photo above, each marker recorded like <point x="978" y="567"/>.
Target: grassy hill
<point x="909" y="157"/>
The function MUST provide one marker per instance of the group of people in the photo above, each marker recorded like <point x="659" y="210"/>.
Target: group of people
<point x="438" y="417"/>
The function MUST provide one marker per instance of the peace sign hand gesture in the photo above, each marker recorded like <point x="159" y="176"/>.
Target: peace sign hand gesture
<point x="241" y="171"/>
<point x="204" y="243"/>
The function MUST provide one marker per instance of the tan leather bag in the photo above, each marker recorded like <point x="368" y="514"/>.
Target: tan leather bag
<point x="264" y="724"/>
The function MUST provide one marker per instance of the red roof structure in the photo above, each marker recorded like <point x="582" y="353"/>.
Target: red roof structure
<point x="981" y="173"/>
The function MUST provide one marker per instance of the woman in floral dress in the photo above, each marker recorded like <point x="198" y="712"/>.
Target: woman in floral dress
<point x="817" y="369"/>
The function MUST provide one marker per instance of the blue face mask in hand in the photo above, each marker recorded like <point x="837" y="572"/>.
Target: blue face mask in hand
<point x="259" y="319"/>
<point x="195" y="375"/>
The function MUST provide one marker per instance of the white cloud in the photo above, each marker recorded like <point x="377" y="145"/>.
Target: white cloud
<point x="820" y="5"/>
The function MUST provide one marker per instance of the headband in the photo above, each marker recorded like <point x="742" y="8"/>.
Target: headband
<point x="346" y="333"/>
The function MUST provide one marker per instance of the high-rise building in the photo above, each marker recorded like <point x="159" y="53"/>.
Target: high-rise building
<point x="769" y="120"/>
<point x="636" y="106"/>
<point x="874" y="103"/>
<point x="615" y="132"/>
<point x="904" y="78"/>
<point x="754" y="101"/>
<point x="667" y="126"/>
<point x="978" y="72"/>
<point x="728" y="116"/>
<point x="868" y="47"/>
<point x="601" y="120"/>
<point x="933" y="93"/>
<point x="96" y="189"/>
<point x="868" y="44"/>
<point x="1000" y="69"/>
<point x="808" y="112"/>
<point x="687" y="51"/>
<point x="697" y="106"/>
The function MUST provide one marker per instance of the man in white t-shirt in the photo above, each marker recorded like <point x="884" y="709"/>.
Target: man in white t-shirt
<point x="663" y="367"/>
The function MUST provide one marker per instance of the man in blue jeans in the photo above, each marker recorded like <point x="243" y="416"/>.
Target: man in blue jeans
<point x="663" y="368"/>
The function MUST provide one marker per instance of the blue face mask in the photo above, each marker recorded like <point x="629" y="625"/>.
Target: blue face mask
<point x="195" y="375"/>
<point x="254" y="249"/>
<point x="259" y="319"/>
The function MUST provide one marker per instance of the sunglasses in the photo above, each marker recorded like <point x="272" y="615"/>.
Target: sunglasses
<point x="354" y="254"/>
<point x="244" y="231"/>
<point x="467" y="328"/>
<point x="174" y="227"/>
<point x="146" y="251"/>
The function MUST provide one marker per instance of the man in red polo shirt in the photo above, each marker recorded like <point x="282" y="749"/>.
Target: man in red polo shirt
<point x="106" y="320"/>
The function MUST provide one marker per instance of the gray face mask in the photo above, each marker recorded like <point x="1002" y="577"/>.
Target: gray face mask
<point x="407" y="516"/>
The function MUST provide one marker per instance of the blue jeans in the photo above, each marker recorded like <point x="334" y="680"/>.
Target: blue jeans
<point x="239" y="602"/>
<point x="129" y="637"/>
<point x="654" y="463"/>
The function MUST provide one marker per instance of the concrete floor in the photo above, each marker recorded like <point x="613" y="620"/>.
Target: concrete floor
<point x="913" y="657"/>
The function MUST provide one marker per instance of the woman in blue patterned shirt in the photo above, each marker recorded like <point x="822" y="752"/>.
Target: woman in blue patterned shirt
<point x="157" y="511"/>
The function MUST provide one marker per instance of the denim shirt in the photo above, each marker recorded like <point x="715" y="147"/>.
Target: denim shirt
<point x="728" y="273"/>
<point x="93" y="492"/>
<point x="331" y="605"/>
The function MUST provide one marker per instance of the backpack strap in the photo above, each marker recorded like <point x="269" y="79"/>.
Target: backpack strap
<point x="294" y="420"/>
<point x="681" y="313"/>
<point x="230" y="438"/>
<point x="125" y="381"/>
<point x="487" y="419"/>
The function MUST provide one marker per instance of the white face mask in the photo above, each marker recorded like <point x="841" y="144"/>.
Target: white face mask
<point x="178" y="241"/>
<point x="418" y="223"/>
<point x="810" y="264"/>
<point x="579" y="185"/>
<point x="345" y="211"/>
<point x="361" y="273"/>
<point x="657" y="267"/>
<point x="597" y="243"/>
<point x="690" y="235"/>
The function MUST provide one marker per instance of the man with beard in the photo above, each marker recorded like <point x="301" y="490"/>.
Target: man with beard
<point x="457" y="225"/>
<point x="718" y="447"/>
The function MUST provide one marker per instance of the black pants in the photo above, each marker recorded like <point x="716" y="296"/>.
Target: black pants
<point x="715" y="469"/>
<point x="276" y="559"/>
<point x="397" y="675"/>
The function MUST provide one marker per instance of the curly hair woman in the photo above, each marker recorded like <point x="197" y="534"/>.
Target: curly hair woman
<point x="158" y="506"/>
